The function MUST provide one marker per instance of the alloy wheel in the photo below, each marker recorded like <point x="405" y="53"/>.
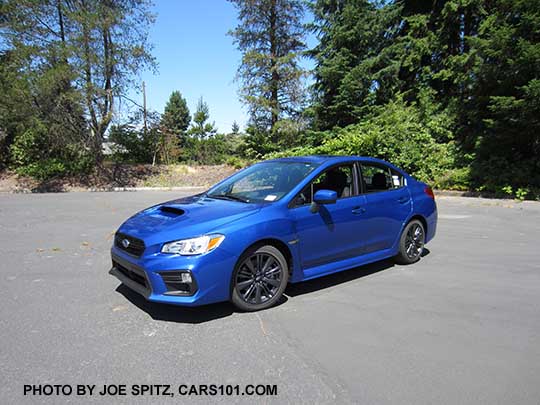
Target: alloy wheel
<point x="259" y="278"/>
<point x="414" y="241"/>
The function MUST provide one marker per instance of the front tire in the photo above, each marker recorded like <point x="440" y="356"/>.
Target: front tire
<point x="259" y="278"/>
<point x="411" y="243"/>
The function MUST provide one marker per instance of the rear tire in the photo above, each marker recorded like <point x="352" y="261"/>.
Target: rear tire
<point x="411" y="243"/>
<point x="259" y="278"/>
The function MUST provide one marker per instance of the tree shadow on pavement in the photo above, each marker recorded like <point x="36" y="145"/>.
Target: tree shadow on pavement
<point x="173" y="313"/>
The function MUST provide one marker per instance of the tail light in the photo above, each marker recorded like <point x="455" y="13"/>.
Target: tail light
<point x="429" y="192"/>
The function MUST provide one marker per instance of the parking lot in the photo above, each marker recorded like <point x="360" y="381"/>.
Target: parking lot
<point x="461" y="326"/>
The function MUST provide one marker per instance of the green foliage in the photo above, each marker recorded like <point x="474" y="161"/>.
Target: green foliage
<point x="169" y="149"/>
<point x="522" y="193"/>
<point x="396" y="133"/>
<point x="448" y="90"/>
<point x="133" y="145"/>
<point x="235" y="162"/>
<point x="30" y="146"/>
<point x="270" y="36"/>
<point x="31" y="156"/>
<point x="201" y="128"/>
<point x="176" y="117"/>
<point x="258" y="143"/>
<point x="475" y="64"/>
<point x="235" y="129"/>
<point x="67" y="64"/>
<point x="455" y="179"/>
<point x="352" y="35"/>
<point x="507" y="96"/>
<point x="217" y="149"/>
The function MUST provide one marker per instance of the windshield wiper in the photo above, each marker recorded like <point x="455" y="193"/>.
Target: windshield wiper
<point x="229" y="197"/>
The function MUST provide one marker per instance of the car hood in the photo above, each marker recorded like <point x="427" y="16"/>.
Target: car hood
<point x="184" y="218"/>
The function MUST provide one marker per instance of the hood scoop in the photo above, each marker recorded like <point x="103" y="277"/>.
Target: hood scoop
<point x="171" y="210"/>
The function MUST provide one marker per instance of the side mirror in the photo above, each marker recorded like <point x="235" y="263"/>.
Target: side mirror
<point x="323" y="197"/>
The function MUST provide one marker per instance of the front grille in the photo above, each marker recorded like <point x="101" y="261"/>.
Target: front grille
<point x="139" y="279"/>
<point x="135" y="246"/>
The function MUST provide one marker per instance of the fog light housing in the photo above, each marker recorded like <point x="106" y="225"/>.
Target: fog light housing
<point x="178" y="282"/>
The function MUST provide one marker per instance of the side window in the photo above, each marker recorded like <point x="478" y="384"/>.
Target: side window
<point x="379" y="178"/>
<point x="397" y="179"/>
<point x="339" y="179"/>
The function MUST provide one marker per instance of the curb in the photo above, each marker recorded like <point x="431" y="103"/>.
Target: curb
<point x="106" y="190"/>
<point x="187" y="188"/>
<point x="455" y="193"/>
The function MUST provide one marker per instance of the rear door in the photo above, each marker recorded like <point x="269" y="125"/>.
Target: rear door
<point x="388" y="204"/>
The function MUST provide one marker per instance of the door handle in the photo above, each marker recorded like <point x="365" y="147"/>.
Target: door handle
<point x="403" y="200"/>
<point x="358" y="210"/>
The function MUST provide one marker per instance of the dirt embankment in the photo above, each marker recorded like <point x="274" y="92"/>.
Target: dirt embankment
<point x="112" y="176"/>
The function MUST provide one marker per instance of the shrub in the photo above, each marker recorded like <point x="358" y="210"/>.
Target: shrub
<point x="32" y="155"/>
<point x="236" y="162"/>
<point x="395" y="133"/>
<point x="44" y="169"/>
<point x="133" y="145"/>
<point x="30" y="146"/>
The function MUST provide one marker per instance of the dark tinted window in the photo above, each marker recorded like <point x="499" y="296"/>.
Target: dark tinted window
<point x="339" y="179"/>
<point x="379" y="178"/>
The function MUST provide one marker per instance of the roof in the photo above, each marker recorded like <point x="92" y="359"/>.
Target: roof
<point x="331" y="159"/>
<point x="317" y="159"/>
<point x="320" y="159"/>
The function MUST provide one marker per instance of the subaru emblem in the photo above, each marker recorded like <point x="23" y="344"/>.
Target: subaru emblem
<point x="125" y="243"/>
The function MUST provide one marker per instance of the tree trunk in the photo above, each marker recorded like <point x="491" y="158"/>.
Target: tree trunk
<point x="274" y="81"/>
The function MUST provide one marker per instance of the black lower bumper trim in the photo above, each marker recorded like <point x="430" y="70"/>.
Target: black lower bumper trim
<point x="130" y="275"/>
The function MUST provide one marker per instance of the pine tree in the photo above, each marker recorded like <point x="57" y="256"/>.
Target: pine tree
<point x="89" y="48"/>
<point x="201" y="128"/>
<point x="505" y="96"/>
<point x="270" y="36"/>
<point x="176" y="118"/>
<point x="235" y="129"/>
<point x="352" y="71"/>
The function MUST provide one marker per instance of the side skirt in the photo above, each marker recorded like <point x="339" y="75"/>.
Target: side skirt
<point x="346" y="264"/>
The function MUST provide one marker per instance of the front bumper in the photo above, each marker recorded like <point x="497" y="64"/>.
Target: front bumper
<point x="210" y="273"/>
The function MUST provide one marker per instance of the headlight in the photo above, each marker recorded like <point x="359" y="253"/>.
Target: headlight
<point x="194" y="246"/>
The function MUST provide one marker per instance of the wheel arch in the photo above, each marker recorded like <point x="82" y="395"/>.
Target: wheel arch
<point x="278" y="244"/>
<point x="421" y="219"/>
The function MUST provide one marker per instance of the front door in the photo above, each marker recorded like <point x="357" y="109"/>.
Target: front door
<point x="330" y="234"/>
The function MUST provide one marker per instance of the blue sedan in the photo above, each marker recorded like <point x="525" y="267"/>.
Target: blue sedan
<point x="276" y="222"/>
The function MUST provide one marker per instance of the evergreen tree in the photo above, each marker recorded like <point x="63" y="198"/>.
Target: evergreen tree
<point x="235" y="129"/>
<point x="270" y="36"/>
<point x="176" y="118"/>
<point x="506" y="95"/>
<point x="201" y="128"/>
<point x="88" y="46"/>
<point x="352" y="70"/>
<point x="473" y="63"/>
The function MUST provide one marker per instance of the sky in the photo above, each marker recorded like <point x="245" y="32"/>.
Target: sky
<point x="197" y="57"/>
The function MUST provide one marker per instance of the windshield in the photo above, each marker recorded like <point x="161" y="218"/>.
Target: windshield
<point x="263" y="182"/>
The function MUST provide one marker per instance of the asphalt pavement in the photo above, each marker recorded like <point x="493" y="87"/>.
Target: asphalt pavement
<point x="462" y="326"/>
